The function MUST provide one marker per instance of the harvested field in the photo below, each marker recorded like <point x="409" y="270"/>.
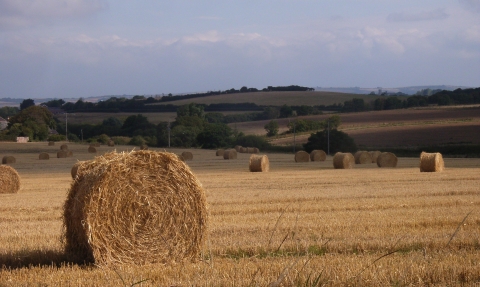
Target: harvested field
<point x="381" y="227"/>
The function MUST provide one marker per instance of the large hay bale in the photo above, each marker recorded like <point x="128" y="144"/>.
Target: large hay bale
<point x="302" y="156"/>
<point x="343" y="160"/>
<point x="136" y="208"/>
<point x="362" y="157"/>
<point x="374" y="155"/>
<point x="238" y="147"/>
<point x="64" y="147"/>
<point x="220" y="152"/>
<point x="92" y="149"/>
<point x="75" y="168"/>
<point x="50" y="143"/>
<point x="259" y="163"/>
<point x="111" y="143"/>
<point x="187" y="155"/>
<point x="318" y="155"/>
<point x="43" y="156"/>
<point x="8" y="159"/>
<point x="9" y="179"/>
<point x="431" y="162"/>
<point x="230" y="154"/>
<point x="62" y="154"/>
<point x="387" y="159"/>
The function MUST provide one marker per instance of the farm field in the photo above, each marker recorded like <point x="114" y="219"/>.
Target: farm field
<point x="298" y="223"/>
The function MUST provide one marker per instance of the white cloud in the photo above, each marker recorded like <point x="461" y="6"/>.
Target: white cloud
<point x="438" y="14"/>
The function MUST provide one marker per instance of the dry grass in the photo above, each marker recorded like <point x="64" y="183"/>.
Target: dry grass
<point x="293" y="223"/>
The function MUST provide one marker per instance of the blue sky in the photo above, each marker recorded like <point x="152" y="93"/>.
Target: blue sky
<point x="87" y="48"/>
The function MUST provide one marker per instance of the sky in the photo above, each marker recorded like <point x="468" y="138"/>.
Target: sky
<point x="91" y="48"/>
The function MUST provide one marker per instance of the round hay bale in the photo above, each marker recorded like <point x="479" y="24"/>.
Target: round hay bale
<point x="220" y="152"/>
<point x="180" y="157"/>
<point x="92" y="149"/>
<point x="362" y="157"/>
<point x="256" y="150"/>
<point x="343" y="160"/>
<point x="238" y="147"/>
<point x="318" y="155"/>
<point x="387" y="159"/>
<point x="187" y="155"/>
<point x="243" y="150"/>
<point x="9" y="179"/>
<point x="250" y="150"/>
<point x="144" y="147"/>
<point x="62" y="154"/>
<point x="75" y="168"/>
<point x="64" y="147"/>
<point x="43" y="156"/>
<point x="230" y="154"/>
<point x="69" y="153"/>
<point x="111" y="143"/>
<point x="136" y="208"/>
<point x="431" y="162"/>
<point x="8" y="159"/>
<point x="259" y="163"/>
<point x="51" y="143"/>
<point x="302" y="156"/>
<point x="374" y="155"/>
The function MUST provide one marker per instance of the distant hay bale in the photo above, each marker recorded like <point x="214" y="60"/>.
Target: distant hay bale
<point x="187" y="155"/>
<point x="238" y="147"/>
<point x="374" y="155"/>
<point x="143" y="147"/>
<point x="387" y="159"/>
<point x="220" y="152"/>
<point x="92" y="149"/>
<point x="134" y="208"/>
<point x="51" y="143"/>
<point x="64" y="147"/>
<point x="69" y="153"/>
<point x="250" y="150"/>
<point x="431" y="162"/>
<point x="259" y="163"/>
<point x="62" y="154"/>
<point x="180" y="157"/>
<point x="75" y="168"/>
<point x="43" y="156"/>
<point x="243" y="150"/>
<point x="318" y="155"/>
<point x="256" y="150"/>
<point x="8" y="159"/>
<point x="111" y="143"/>
<point x="343" y="160"/>
<point x="362" y="157"/>
<point x="302" y="156"/>
<point x="9" y="179"/>
<point x="230" y="154"/>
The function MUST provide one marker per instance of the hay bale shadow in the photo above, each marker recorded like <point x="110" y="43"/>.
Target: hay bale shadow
<point x="29" y="258"/>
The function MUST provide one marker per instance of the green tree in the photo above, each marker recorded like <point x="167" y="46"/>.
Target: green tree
<point x="34" y="122"/>
<point x="190" y="110"/>
<point x="339" y="141"/>
<point x="272" y="128"/>
<point x="6" y="112"/>
<point x="26" y="103"/>
<point x="215" y="136"/>
<point x="286" y="111"/>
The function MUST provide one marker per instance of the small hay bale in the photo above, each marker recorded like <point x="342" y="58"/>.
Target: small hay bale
<point x="43" y="156"/>
<point x="431" y="162"/>
<point x="362" y="157"/>
<point x="343" y="160"/>
<point x="92" y="149"/>
<point x="69" y="153"/>
<point x="75" y="168"/>
<point x="243" y="150"/>
<point x="220" y="152"/>
<point x="387" y="159"/>
<point x="9" y="179"/>
<point x="318" y="155"/>
<point x="230" y="154"/>
<point x="259" y="163"/>
<point x="250" y="150"/>
<point x="62" y="154"/>
<point x="374" y="155"/>
<point x="143" y="147"/>
<point x="180" y="157"/>
<point x="8" y="159"/>
<point x="51" y="143"/>
<point x="64" y="147"/>
<point x="302" y="156"/>
<point x="111" y="143"/>
<point x="238" y="147"/>
<point x="187" y="155"/>
<point x="134" y="208"/>
<point x="256" y="150"/>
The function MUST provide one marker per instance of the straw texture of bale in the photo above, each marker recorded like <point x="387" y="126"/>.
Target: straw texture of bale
<point x="230" y="154"/>
<point x="318" y="155"/>
<point x="62" y="154"/>
<point x="9" y="179"/>
<point x="362" y="157"/>
<point x="250" y="150"/>
<point x="431" y="162"/>
<point x="243" y="150"/>
<point x="111" y="143"/>
<point x="259" y="163"/>
<point x="343" y="160"/>
<point x="134" y="208"/>
<point x="75" y="168"/>
<point x="220" y="152"/>
<point x="187" y="155"/>
<point x="302" y="156"/>
<point x="51" y="143"/>
<point x="69" y="153"/>
<point x="43" y="156"/>
<point x="8" y="159"/>
<point x="238" y="147"/>
<point x="64" y="147"/>
<point x="374" y="155"/>
<point x="387" y="159"/>
<point x="92" y="149"/>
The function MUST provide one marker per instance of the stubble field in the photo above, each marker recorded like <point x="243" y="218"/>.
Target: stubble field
<point x="298" y="224"/>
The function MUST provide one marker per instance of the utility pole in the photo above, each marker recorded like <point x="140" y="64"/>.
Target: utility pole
<point x="328" y="136"/>
<point x="168" y="128"/>
<point x="66" y="124"/>
<point x="294" y="143"/>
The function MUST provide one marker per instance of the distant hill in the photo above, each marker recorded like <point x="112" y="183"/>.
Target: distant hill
<point x="406" y="90"/>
